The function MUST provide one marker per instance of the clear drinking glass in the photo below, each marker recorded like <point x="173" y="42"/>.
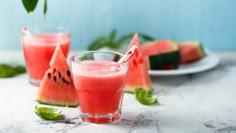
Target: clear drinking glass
<point x="38" y="44"/>
<point x="100" y="82"/>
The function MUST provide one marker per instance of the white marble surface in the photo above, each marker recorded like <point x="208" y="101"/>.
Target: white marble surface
<point x="197" y="103"/>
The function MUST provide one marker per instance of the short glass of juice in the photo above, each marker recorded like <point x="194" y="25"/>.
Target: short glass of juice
<point x="38" y="45"/>
<point x="99" y="80"/>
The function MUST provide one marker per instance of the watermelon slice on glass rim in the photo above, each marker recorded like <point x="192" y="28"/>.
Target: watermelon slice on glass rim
<point x="137" y="76"/>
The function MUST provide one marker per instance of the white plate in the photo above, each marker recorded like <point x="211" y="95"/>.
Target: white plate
<point x="208" y="62"/>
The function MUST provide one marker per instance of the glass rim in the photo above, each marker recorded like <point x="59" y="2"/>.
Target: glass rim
<point x="72" y="58"/>
<point x="58" y="30"/>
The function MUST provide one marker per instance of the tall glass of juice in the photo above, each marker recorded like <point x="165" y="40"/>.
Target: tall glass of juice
<point x="99" y="80"/>
<point x="38" y="45"/>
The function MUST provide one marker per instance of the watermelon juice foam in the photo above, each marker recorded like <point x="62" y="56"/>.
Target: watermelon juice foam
<point x="100" y="82"/>
<point x="38" y="48"/>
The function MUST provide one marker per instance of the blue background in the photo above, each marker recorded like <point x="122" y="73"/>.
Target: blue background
<point x="213" y="22"/>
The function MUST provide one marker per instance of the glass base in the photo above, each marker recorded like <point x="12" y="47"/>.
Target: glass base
<point x="100" y="118"/>
<point x="35" y="82"/>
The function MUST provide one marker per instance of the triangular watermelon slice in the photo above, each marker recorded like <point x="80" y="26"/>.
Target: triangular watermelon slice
<point x="57" y="86"/>
<point x="137" y="75"/>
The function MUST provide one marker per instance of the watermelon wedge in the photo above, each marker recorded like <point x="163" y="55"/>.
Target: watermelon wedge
<point x="190" y="51"/>
<point x="137" y="75"/>
<point x="163" y="54"/>
<point x="57" y="86"/>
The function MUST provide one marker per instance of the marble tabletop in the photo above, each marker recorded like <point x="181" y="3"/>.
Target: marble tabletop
<point x="193" y="103"/>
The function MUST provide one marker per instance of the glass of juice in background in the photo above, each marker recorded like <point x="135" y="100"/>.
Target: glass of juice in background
<point x="100" y="82"/>
<point x="38" y="46"/>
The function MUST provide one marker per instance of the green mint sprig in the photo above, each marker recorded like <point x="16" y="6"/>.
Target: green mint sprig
<point x="7" y="71"/>
<point x="145" y="97"/>
<point x="48" y="113"/>
<point x="30" y="5"/>
<point x="112" y="42"/>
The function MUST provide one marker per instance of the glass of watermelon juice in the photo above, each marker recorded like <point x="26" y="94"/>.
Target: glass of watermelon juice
<point x="38" y="47"/>
<point x="100" y="82"/>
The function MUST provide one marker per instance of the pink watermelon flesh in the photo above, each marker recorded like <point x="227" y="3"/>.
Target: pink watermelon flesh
<point x="190" y="52"/>
<point x="158" y="47"/>
<point x="137" y="75"/>
<point x="57" y="86"/>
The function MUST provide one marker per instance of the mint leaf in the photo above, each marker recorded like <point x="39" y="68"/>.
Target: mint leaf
<point x="20" y="69"/>
<point x="146" y="37"/>
<point x="144" y="97"/>
<point x="114" y="43"/>
<point x="44" y="7"/>
<point x="6" y="71"/>
<point x="112" y="35"/>
<point x="98" y="43"/>
<point x="48" y="113"/>
<point x="30" y="5"/>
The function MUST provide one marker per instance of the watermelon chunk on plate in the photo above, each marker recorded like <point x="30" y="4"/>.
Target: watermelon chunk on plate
<point x="163" y="54"/>
<point x="57" y="86"/>
<point x="137" y="75"/>
<point x="190" y="51"/>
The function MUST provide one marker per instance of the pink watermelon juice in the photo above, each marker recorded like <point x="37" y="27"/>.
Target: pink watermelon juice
<point x="100" y="87"/>
<point x="38" y="50"/>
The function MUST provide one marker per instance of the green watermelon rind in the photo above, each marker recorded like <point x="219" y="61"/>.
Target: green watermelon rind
<point x="131" y="89"/>
<point x="57" y="103"/>
<point x="201" y="49"/>
<point x="171" y="58"/>
<point x="164" y="59"/>
<point x="161" y="60"/>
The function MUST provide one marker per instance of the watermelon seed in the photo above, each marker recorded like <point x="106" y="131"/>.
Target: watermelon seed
<point x="63" y="80"/>
<point x="68" y="72"/>
<point x="67" y="82"/>
<point x="55" y="78"/>
<point x="49" y="75"/>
